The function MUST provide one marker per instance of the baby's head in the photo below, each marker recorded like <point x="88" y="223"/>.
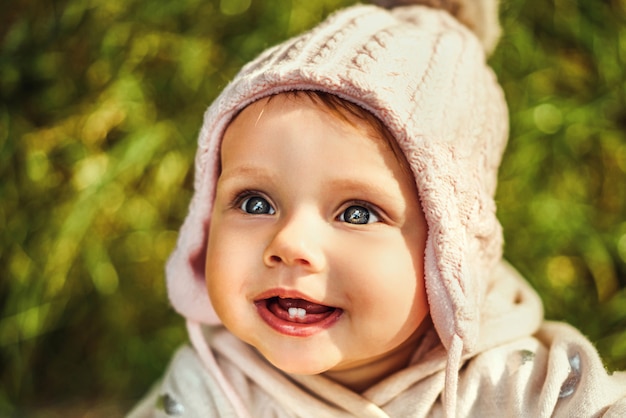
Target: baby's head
<point x="344" y="190"/>
<point x="316" y="246"/>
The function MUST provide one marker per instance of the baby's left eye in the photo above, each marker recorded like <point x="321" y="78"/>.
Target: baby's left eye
<point x="257" y="205"/>
<point x="358" y="215"/>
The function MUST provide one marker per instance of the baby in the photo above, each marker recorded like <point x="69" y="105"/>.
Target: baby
<point x="342" y="257"/>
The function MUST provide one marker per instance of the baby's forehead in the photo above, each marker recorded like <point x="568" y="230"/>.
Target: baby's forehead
<point x="329" y="103"/>
<point x="341" y="110"/>
<point x="306" y="109"/>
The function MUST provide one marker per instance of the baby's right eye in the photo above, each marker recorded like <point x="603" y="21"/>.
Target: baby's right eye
<point x="257" y="205"/>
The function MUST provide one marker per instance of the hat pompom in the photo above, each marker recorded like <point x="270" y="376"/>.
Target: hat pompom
<point x="480" y="16"/>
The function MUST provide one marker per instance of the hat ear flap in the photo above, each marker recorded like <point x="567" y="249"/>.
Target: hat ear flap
<point x="185" y="269"/>
<point x="450" y="285"/>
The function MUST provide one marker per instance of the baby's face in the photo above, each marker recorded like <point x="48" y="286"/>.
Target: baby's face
<point x="316" y="243"/>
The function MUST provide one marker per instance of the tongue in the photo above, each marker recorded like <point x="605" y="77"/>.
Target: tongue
<point x="310" y="307"/>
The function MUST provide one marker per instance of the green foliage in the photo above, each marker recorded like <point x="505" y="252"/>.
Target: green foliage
<point x="562" y="189"/>
<point x="101" y="102"/>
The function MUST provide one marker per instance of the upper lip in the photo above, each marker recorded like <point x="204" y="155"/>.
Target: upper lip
<point x="287" y="294"/>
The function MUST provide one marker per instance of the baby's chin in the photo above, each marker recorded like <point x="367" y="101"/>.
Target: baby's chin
<point x="294" y="367"/>
<point x="298" y="360"/>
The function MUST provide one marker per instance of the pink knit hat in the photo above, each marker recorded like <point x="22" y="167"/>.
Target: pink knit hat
<point x="424" y="75"/>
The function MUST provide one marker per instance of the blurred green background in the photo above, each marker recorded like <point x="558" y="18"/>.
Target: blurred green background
<point x="100" y="105"/>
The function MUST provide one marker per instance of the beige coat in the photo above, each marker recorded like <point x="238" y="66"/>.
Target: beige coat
<point x="523" y="367"/>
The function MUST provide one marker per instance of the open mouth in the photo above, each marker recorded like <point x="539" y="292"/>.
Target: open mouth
<point x="295" y="316"/>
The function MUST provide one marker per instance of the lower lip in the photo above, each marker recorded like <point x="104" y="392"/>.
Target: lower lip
<point x="296" y="329"/>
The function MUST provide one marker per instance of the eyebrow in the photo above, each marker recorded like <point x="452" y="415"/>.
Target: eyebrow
<point x="365" y="185"/>
<point x="246" y="171"/>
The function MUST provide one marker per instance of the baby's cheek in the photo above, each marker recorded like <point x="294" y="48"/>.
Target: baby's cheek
<point x="216" y="285"/>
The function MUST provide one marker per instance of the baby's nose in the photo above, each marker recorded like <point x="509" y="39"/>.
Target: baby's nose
<point x="297" y="243"/>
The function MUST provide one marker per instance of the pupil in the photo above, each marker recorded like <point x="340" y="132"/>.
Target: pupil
<point x="257" y="205"/>
<point x="357" y="215"/>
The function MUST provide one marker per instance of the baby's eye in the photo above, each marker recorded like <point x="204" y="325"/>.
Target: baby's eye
<point x="358" y="215"/>
<point x="256" y="205"/>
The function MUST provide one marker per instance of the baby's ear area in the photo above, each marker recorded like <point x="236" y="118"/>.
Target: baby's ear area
<point x="185" y="270"/>
<point x="197" y="262"/>
<point x="187" y="290"/>
<point x="480" y="16"/>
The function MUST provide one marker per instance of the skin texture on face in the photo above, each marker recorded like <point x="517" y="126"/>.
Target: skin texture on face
<point x="316" y="244"/>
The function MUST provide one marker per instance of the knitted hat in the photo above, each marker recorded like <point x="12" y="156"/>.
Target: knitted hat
<point x="424" y="75"/>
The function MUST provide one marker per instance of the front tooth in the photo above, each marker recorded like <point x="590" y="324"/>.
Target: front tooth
<point x="296" y="312"/>
<point x="301" y="313"/>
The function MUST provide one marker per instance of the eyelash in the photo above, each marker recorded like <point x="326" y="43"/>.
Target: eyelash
<point x="370" y="208"/>
<point x="242" y="196"/>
